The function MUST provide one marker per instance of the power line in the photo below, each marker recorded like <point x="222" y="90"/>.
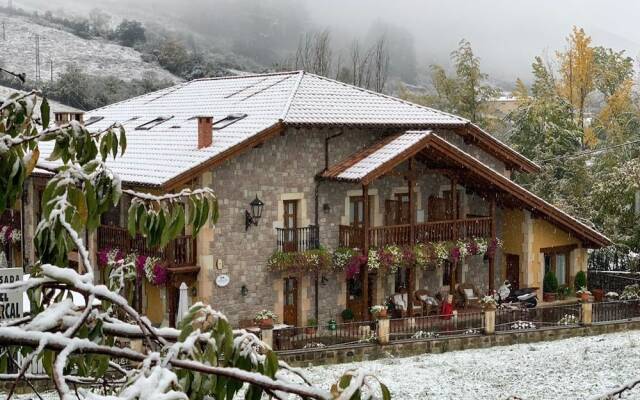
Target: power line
<point x="591" y="152"/>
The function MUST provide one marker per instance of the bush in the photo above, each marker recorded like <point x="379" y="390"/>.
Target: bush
<point x="550" y="284"/>
<point x="312" y="322"/>
<point x="347" y="314"/>
<point x="580" y="280"/>
<point x="129" y="33"/>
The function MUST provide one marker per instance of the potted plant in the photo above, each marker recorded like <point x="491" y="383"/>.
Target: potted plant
<point x="579" y="282"/>
<point x="564" y="291"/>
<point x="312" y="326"/>
<point x="332" y="324"/>
<point x="488" y="303"/>
<point x="584" y="294"/>
<point x="347" y="315"/>
<point x="598" y="294"/>
<point x="265" y="319"/>
<point x="549" y="287"/>
<point x="379" y="311"/>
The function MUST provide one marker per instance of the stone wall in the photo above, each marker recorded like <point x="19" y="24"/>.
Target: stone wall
<point x="365" y="352"/>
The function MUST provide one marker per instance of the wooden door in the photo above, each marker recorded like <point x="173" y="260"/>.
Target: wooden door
<point x="390" y="212"/>
<point x="290" y="225"/>
<point x="356" y="214"/>
<point x="402" y="215"/>
<point x="436" y="209"/>
<point x="513" y="270"/>
<point x="290" y="308"/>
<point x="354" y="296"/>
<point x="450" y="212"/>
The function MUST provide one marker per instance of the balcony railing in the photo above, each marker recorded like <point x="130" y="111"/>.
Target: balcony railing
<point x="179" y="252"/>
<point x="11" y="218"/>
<point x="353" y="237"/>
<point x="298" y="239"/>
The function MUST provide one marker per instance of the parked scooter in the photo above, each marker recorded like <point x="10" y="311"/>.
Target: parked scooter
<point x="516" y="298"/>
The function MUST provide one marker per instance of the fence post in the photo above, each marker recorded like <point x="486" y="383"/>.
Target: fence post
<point x="383" y="331"/>
<point x="267" y="336"/>
<point x="489" y="321"/>
<point x="587" y="313"/>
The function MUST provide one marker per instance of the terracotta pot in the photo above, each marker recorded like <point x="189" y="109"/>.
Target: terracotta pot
<point x="382" y="314"/>
<point x="310" y="330"/>
<point x="584" y="297"/>
<point x="265" y="323"/>
<point x="598" y="294"/>
<point x="549" y="297"/>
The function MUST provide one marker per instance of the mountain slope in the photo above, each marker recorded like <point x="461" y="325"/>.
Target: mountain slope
<point x="96" y="57"/>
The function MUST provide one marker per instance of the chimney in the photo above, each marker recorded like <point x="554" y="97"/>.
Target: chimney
<point x="205" y="131"/>
<point x="63" y="117"/>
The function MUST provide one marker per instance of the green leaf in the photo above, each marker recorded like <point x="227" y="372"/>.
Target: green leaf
<point x="131" y="220"/>
<point x="123" y="141"/>
<point x="386" y="394"/>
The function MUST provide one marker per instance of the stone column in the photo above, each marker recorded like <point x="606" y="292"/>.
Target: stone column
<point x="587" y="313"/>
<point x="383" y="331"/>
<point x="267" y="336"/>
<point x="489" y="321"/>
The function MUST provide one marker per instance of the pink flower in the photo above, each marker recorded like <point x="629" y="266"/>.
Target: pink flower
<point x="140" y="261"/>
<point x="454" y="254"/>
<point x="408" y="256"/>
<point x="354" y="265"/>
<point x="472" y="248"/>
<point x="160" y="274"/>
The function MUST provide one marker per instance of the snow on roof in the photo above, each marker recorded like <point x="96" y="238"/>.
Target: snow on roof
<point x="381" y="156"/>
<point x="169" y="149"/>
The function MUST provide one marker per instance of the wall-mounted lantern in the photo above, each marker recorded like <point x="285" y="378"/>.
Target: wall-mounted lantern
<point x="252" y="218"/>
<point x="244" y="291"/>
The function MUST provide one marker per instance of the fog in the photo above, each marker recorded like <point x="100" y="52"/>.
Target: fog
<point x="506" y="34"/>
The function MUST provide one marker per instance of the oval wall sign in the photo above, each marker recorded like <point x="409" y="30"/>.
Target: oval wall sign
<point x="222" y="280"/>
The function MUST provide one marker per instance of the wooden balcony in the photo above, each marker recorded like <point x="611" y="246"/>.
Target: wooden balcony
<point x="181" y="251"/>
<point x="11" y="218"/>
<point x="298" y="239"/>
<point x="400" y="235"/>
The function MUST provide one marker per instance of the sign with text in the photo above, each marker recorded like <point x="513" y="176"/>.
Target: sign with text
<point x="10" y="302"/>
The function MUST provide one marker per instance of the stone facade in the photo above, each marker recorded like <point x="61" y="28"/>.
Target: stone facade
<point x="284" y="168"/>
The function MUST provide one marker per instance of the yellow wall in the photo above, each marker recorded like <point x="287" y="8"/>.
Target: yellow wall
<point x="154" y="306"/>
<point x="518" y="228"/>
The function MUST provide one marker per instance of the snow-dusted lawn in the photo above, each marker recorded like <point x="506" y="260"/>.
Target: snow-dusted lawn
<point x="576" y="368"/>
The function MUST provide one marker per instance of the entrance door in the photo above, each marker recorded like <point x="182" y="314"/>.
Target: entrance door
<point x="290" y="308"/>
<point x="513" y="270"/>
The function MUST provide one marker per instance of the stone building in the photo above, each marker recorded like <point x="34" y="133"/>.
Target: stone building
<point x="334" y="167"/>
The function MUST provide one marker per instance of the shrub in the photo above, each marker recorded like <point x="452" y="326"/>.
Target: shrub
<point x="580" y="280"/>
<point x="347" y="314"/>
<point x="312" y="322"/>
<point x="550" y="284"/>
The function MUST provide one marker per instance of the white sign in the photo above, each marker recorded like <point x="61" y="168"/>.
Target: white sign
<point x="10" y="302"/>
<point x="222" y="280"/>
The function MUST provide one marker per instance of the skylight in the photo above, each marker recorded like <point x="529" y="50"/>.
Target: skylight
<point x="93" y="120"/>
<point x="153" y="123"/>
<point x="228" y="120"/>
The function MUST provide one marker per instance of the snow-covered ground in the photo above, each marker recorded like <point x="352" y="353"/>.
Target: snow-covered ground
<point x="95" y="56"/>
<point x="577" y="368"/>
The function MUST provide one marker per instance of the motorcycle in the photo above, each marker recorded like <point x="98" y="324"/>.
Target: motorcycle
<point x="508" y="297"/>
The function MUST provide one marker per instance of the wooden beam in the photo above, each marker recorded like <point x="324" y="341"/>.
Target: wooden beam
<point x="492" y="213"/>
<point x="365" y="273"/>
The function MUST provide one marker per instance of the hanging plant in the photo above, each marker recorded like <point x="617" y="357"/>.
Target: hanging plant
<point x="373" y="261"/>
<point x="341" y="258"/>
<point x="10" y="235"/>
<point x="493" y="246"/>
<point x="355" y="265"/>
<point x="308" y="260"/>
<point x="152" y="269"/>
<point x="109" y="255"/>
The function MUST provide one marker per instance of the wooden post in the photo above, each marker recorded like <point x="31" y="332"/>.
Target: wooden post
<point x="492" y="213"/>
<point x="412" y="231"/>
<point x="365" y="273"/>
<point x="454" y="228"/>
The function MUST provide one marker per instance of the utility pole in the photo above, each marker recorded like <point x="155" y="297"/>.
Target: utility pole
<point x="37" y="58"/>
<point x="4" y="34"/>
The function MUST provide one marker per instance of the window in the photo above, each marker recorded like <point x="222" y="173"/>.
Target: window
<point x="290" y="225"/>
<point x="153" y="123"/>
<point x="446" y="273"/>
<point x="402" y="279"/>
<point x="93" y="120"/>
<point x="558" y="262"/>
<point x="356" y="211"/>
<point x="228" y="120"/>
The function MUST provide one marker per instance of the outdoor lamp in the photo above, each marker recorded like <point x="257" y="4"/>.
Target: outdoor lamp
<point x="251" y="218"/>
<point x="244" y="291"/>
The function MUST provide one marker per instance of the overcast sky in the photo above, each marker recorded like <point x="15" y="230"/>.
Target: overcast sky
<point x="506" y="34"/>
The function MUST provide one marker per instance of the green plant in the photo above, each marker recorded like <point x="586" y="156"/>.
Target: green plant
<point x="312" y="322"/>
<point x="564" y="291"/>
<point x="347" y="314"/>
<point x="580" y="280"/>
<point x="550" y="283"/>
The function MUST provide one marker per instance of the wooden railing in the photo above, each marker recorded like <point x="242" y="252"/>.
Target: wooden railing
<point x="426" y="232"/>
<point x="298" y="239"/>
<point x="181" y="251"/>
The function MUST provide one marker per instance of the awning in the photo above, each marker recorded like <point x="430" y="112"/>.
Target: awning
<point x="435" y="153"/>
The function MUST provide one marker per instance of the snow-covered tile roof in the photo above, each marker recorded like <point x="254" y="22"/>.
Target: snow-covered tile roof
<point x="168" y="150"/>
<point x="378" y="158"/>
